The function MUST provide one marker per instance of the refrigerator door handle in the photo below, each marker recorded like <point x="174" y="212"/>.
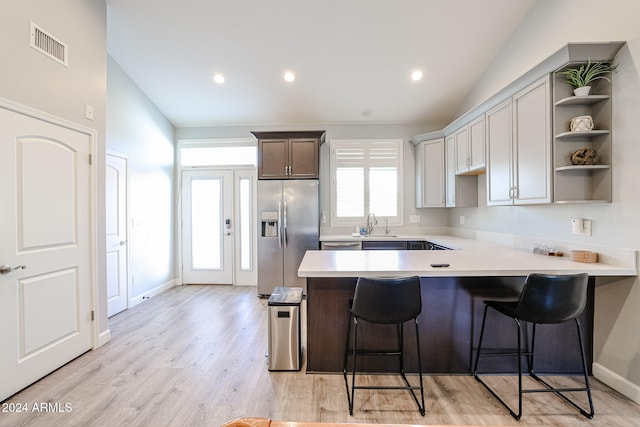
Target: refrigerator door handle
<point x="285" y="224"/>
<point x="279" y="225"/>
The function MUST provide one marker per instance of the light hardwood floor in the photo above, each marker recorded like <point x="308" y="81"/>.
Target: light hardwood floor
<point x="195" y="356"/>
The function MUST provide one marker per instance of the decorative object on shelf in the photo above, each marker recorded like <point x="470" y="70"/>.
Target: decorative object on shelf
<point x="584" y="256"/>
<point x="584" y="156"/>
<point x="581" y="77"/>
<point x="581" y="124"/>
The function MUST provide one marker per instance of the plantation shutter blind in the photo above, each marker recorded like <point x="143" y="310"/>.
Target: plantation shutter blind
<point x="366" y="179"/>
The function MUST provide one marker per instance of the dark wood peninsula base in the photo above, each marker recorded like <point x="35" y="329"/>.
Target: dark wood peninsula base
<point x="452" y="310"/>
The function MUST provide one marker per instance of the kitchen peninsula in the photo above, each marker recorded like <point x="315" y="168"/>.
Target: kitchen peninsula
<point x="452" y="299"/>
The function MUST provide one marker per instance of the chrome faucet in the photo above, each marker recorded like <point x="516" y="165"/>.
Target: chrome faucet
<point x="370" y="223"/>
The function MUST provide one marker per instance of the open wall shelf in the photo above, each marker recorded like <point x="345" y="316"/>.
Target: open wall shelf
<point x="581" y="183"/>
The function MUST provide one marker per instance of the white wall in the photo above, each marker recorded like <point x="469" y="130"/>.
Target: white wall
<point x="548" y="27"/>
<point x="30" y="78"/>
<point x="136" y="128"/>
<point x="434" y="218"/>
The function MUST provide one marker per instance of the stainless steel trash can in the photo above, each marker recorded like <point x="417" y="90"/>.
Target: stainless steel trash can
<point x="284" y="351"/>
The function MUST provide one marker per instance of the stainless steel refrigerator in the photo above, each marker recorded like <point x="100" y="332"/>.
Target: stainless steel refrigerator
<point x="288" y="227"/>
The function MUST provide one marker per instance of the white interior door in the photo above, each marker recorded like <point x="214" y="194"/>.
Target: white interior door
<point x="45" y="308"/>
<point x="116" y="202"/>
<point x="207" y="227"/>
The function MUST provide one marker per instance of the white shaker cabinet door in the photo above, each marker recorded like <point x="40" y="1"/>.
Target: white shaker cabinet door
<point x="532" y="141"/>
<point x="499" y="135"/>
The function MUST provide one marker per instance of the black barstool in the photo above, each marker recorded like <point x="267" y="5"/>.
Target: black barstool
<point x="384" y="301"/>
<point x="545" y="299"/>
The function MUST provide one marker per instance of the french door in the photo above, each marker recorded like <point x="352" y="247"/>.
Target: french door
<point x="207" y="227"/>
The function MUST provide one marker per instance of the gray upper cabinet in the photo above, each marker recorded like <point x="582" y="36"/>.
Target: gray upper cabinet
<point x="518" y="133"/>
<point x="521" y="138"/>
<point x="430" y="173"/>
<point x="461" y="190"/>
<point x="470" y="147"/>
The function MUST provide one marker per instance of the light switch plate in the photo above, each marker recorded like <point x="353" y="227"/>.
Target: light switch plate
<point x="577" y="226"/>
<point x="88" y="112"/>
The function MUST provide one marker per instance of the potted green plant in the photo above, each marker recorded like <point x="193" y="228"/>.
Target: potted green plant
<point x="581" y="77"/>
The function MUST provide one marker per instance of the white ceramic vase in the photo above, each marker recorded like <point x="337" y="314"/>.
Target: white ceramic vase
<point x="582" y="91"/>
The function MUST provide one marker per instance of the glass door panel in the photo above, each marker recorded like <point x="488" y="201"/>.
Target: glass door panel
<point x="207" y="211"/>
<point x="206" y="231"/>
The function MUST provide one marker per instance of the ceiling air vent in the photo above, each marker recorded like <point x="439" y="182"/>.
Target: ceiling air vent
<point x="47" y="44"/>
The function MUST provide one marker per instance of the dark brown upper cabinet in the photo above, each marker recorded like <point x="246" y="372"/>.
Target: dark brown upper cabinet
<point x="289" y="155"/>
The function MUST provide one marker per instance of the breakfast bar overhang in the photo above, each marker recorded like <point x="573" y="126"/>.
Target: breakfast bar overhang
<point x="452" y="301"/>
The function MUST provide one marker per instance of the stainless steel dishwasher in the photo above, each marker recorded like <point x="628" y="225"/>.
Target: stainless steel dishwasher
<point x="341" y="246"/>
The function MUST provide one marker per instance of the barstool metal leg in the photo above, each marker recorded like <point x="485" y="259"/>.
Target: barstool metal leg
<point x="421" y="408"/>
<point x="530" y="358"/>
<point x="519" y="354"/>
<point x="399" y="352"/>
<point x="353" y="373"/>
<point x="344" y="365"/>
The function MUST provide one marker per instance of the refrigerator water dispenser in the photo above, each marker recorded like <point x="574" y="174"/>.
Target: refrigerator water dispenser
<point x="269" y="221"/>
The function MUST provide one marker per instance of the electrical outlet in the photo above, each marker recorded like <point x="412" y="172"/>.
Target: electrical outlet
<point x="462" y="219"/>
<point x="586" y="227"/>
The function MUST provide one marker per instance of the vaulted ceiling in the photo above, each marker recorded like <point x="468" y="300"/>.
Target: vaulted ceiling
<point x="352" y="59"/>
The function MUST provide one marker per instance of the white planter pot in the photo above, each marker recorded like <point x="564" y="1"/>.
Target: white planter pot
<point x="581" y="124"/>
<point x="582" y="91"/>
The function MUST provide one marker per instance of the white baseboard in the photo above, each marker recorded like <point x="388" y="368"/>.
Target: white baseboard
<point x="103" y="338"/>
<point x="152" y="293"/>
<point x="617" y="382"/>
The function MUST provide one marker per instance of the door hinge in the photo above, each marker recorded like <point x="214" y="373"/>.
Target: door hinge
<point x="93" y="315"/>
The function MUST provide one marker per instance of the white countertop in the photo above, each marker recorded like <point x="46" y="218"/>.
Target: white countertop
<point x="472" y="258"/>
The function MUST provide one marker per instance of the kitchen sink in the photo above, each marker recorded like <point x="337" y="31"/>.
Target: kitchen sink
<point x="380" y="235"/>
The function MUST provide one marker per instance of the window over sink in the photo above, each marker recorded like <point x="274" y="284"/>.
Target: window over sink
<point x="366" y="177"/>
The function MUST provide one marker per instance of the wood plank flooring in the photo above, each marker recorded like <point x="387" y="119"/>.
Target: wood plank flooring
<point x="195" y="356"/>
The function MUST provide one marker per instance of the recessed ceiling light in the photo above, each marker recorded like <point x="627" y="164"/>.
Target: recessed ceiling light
<point x="219" y="78"/>
<point x="416" y="75"/>
<point x="289" y="76"/>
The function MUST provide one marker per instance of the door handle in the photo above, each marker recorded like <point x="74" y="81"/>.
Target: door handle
<point x="6" y="268"/>
<point x="123" y="242"/>
<point x="280" y="225"/>
<point x="286" y="243"/>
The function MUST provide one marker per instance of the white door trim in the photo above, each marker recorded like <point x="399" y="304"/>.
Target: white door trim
<point x="93" y="188"/>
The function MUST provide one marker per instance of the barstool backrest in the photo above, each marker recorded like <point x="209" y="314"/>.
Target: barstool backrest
<point x="552" y="298"/>
<point x="387" y="300"/>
